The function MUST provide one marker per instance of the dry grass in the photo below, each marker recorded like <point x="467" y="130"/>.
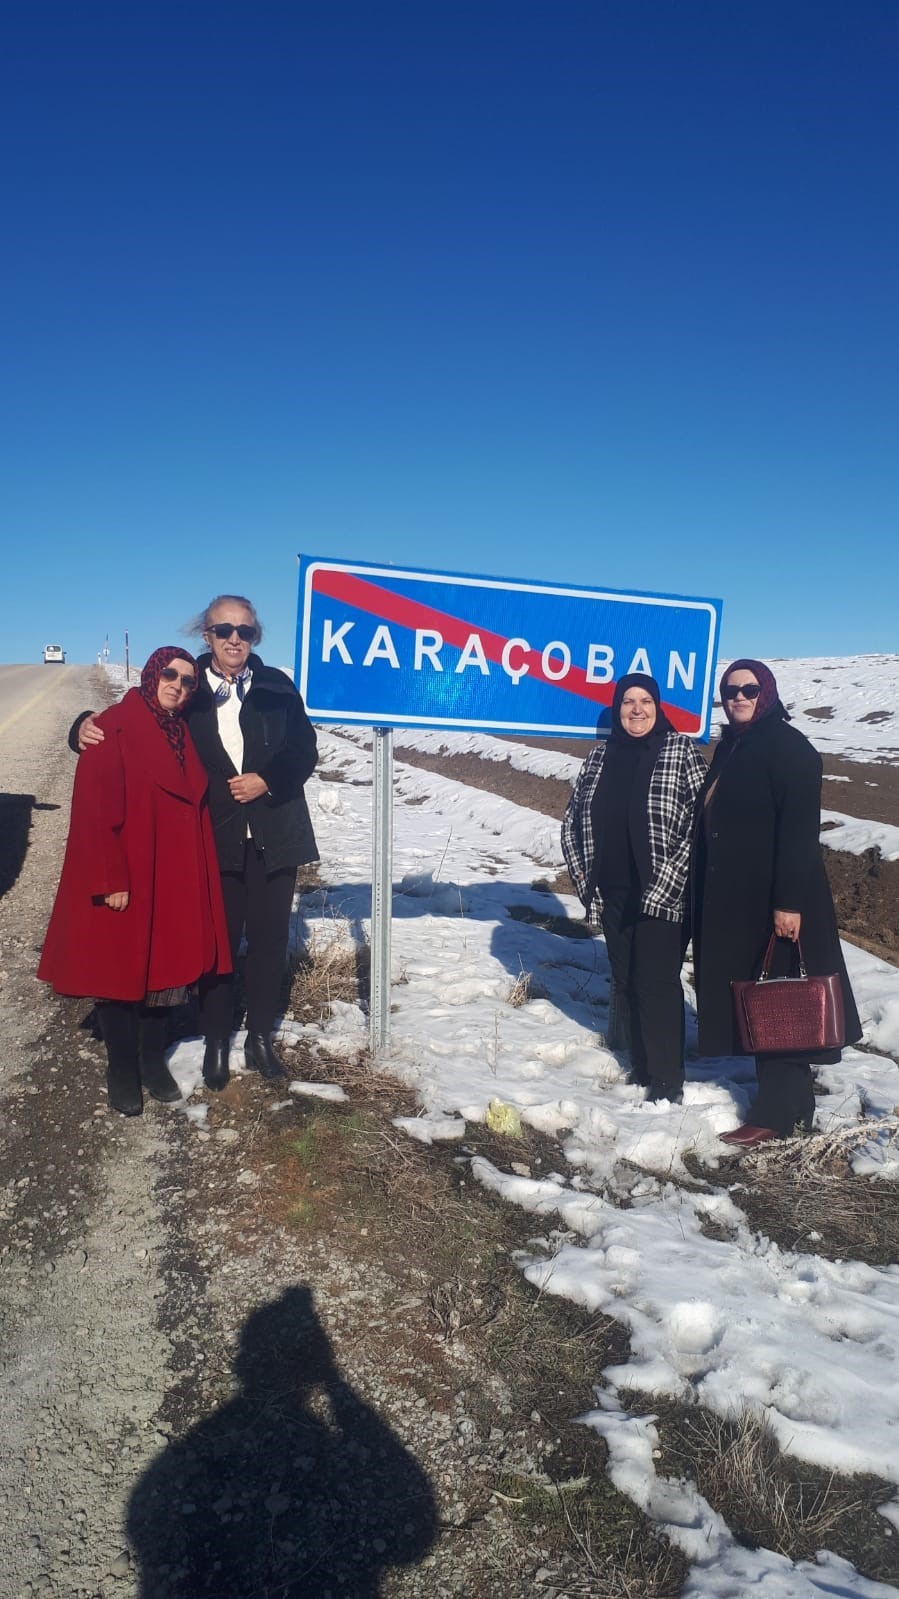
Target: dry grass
<point x="803" y="1194"/>
<point x="525" y="987"/>
<point x="450" y="1246"/>
<point x="773" y="1501"/>
<point x="520" y="992"/>
<point x="826" y="1156"/>
<point x="331" y="968"/>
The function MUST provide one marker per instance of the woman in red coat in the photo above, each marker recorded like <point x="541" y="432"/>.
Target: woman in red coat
<point x="138" y="917"/>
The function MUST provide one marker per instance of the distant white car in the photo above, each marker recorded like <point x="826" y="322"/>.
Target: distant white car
<point x="54" y="652"/>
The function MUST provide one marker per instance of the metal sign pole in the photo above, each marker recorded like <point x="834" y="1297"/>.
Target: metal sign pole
<point x="381" y="887"/>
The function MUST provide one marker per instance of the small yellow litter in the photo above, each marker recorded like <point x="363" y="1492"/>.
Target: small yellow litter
<point x="503" y="1118"/>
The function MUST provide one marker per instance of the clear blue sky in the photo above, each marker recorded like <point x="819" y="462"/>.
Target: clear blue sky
<point x="600" y="292"/>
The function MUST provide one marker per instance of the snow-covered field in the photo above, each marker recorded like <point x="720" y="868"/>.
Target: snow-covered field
<point x="492" y="1010"/>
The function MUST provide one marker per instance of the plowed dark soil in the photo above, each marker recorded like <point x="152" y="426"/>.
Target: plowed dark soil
<point x="865" y="887"/>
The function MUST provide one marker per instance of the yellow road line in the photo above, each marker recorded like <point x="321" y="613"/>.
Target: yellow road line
<point x="29" y="704"/>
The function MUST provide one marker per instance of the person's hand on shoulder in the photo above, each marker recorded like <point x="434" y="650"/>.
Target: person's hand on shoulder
<point x="89" y="733"/>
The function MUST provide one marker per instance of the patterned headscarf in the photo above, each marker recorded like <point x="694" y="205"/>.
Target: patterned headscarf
<point x="768" y="702"/>
<point x="170" y="721"/>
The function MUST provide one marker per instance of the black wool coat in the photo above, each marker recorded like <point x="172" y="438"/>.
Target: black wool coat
<point x="279" y="744"/>
<point x="756" y="851"/>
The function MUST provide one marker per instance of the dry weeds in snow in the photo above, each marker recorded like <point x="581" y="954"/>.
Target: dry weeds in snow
<point x="827" y="1156"/>
<point x="332" y="968"/>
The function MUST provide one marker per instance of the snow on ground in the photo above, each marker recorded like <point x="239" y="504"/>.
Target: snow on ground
<point x="845" y="704"/>
<point x="712" y="1319"/>
<point x="841" y="832"/>
<point x="491" y="1009"/>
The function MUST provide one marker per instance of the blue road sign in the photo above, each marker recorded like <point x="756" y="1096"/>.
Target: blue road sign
<point x="394" y="648"/>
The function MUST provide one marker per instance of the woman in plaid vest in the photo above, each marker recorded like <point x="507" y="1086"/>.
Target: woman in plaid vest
<point x="626" y="840"/>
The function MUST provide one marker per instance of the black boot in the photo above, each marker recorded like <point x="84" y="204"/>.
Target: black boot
<point x="661" y="1091"/>
<point x="118" y="1026"/>
<point x="154" y="1073"/>
<point x="216" y="1074"/>
<point x="261" y="1058"/>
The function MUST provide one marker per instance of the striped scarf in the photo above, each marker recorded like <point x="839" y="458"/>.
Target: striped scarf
<point x="241" y="682"/>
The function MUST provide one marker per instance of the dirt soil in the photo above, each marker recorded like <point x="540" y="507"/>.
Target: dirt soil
<point x="865" y="887"/>
<point x="286" y="1352"/>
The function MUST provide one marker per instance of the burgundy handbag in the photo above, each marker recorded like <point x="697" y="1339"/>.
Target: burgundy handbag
<point x="789" y="1015"/>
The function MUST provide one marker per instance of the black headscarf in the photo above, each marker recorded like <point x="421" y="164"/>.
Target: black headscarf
<point x="619" y="809"/>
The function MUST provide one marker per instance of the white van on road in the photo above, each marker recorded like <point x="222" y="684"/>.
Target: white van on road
<point x="54" y="652"/>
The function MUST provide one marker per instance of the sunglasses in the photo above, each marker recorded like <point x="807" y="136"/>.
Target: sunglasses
<point x="186" y="679"/>
<point x="245" y="632"/>
<point x="749" y="691"/>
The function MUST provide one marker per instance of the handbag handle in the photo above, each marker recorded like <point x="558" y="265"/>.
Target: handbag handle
<point x="764" y="974"/>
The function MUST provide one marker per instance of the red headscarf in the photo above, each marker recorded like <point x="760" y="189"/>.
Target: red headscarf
<point x="170" y="721"/>
<point x="768" y="702"/>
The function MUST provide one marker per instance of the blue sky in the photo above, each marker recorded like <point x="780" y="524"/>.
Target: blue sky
<point x="590" y="292"/>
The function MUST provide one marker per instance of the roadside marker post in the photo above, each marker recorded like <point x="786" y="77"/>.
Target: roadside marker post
<point x="381" y="888"/>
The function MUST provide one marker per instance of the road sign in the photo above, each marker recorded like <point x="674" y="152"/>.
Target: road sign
<point x="389" y="647"/>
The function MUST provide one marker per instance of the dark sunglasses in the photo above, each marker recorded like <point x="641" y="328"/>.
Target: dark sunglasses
<point x="245" y="632"/>
<point x="186" y="679"/>
<point x="749" y="691"/>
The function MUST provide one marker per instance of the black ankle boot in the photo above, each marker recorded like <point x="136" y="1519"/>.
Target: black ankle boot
<point x="154" y="1073"/>
<point x="261" y="1058"/>
<point x="661" y="1091"/>
<point x="216" y="1074"/>
<point x="118" y="1027"/>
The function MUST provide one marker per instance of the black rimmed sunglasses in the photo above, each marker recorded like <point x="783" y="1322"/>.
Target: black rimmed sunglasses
<point x="245" y="632"/>
<point x="749" y="691"/>
<point x="186" y="679"/>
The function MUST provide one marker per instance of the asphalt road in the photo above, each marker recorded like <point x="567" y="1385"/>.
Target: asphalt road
<point x="39" y="701"/>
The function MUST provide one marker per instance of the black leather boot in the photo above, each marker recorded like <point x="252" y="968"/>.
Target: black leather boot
<point x="261" y="1058"/>
<point x="154" y="1073"/>
<point x="661" y="1091"/>
<point x="216" y="1074"/>
<point x="118" y="1027"/>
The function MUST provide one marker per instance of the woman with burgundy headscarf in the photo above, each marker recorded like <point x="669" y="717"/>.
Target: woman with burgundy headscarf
<point x="138" y="917"/>
<point x="758" y="870"/>
<point x="626" y="841"/>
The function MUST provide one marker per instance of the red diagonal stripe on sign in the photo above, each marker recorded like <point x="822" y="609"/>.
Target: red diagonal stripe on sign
<point x="388" y="606"/>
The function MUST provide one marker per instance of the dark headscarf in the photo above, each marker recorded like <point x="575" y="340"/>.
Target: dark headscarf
<point x="768" y="702"/>
<point x="171" y="722"/>
<point x="661" y="725"/>
<point x="619" y="810"/>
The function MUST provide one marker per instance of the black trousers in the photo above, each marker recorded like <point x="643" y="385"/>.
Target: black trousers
<point x="257" y="903"/>
<point x="786" y="1095"/>
<point x="646" y="955"/>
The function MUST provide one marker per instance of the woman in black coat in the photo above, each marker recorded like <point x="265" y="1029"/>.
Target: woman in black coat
<point x="258" y="746"/>
<point x="626" y="841"/>
<point x="758" y="870"/>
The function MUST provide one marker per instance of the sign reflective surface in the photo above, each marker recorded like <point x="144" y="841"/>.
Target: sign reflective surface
<point x="391" y="647"/>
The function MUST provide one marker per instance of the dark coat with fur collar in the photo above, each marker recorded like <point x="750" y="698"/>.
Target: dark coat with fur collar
<point x="758" y="851"/>
<point x="279" y="744"/>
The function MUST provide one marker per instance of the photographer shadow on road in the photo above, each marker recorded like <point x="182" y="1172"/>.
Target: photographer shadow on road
<point x="295" y="1487"/>
<point x="15" y="833"/>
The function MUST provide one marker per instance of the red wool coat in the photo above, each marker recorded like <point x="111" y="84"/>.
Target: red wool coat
<point x="139" y="822"/>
